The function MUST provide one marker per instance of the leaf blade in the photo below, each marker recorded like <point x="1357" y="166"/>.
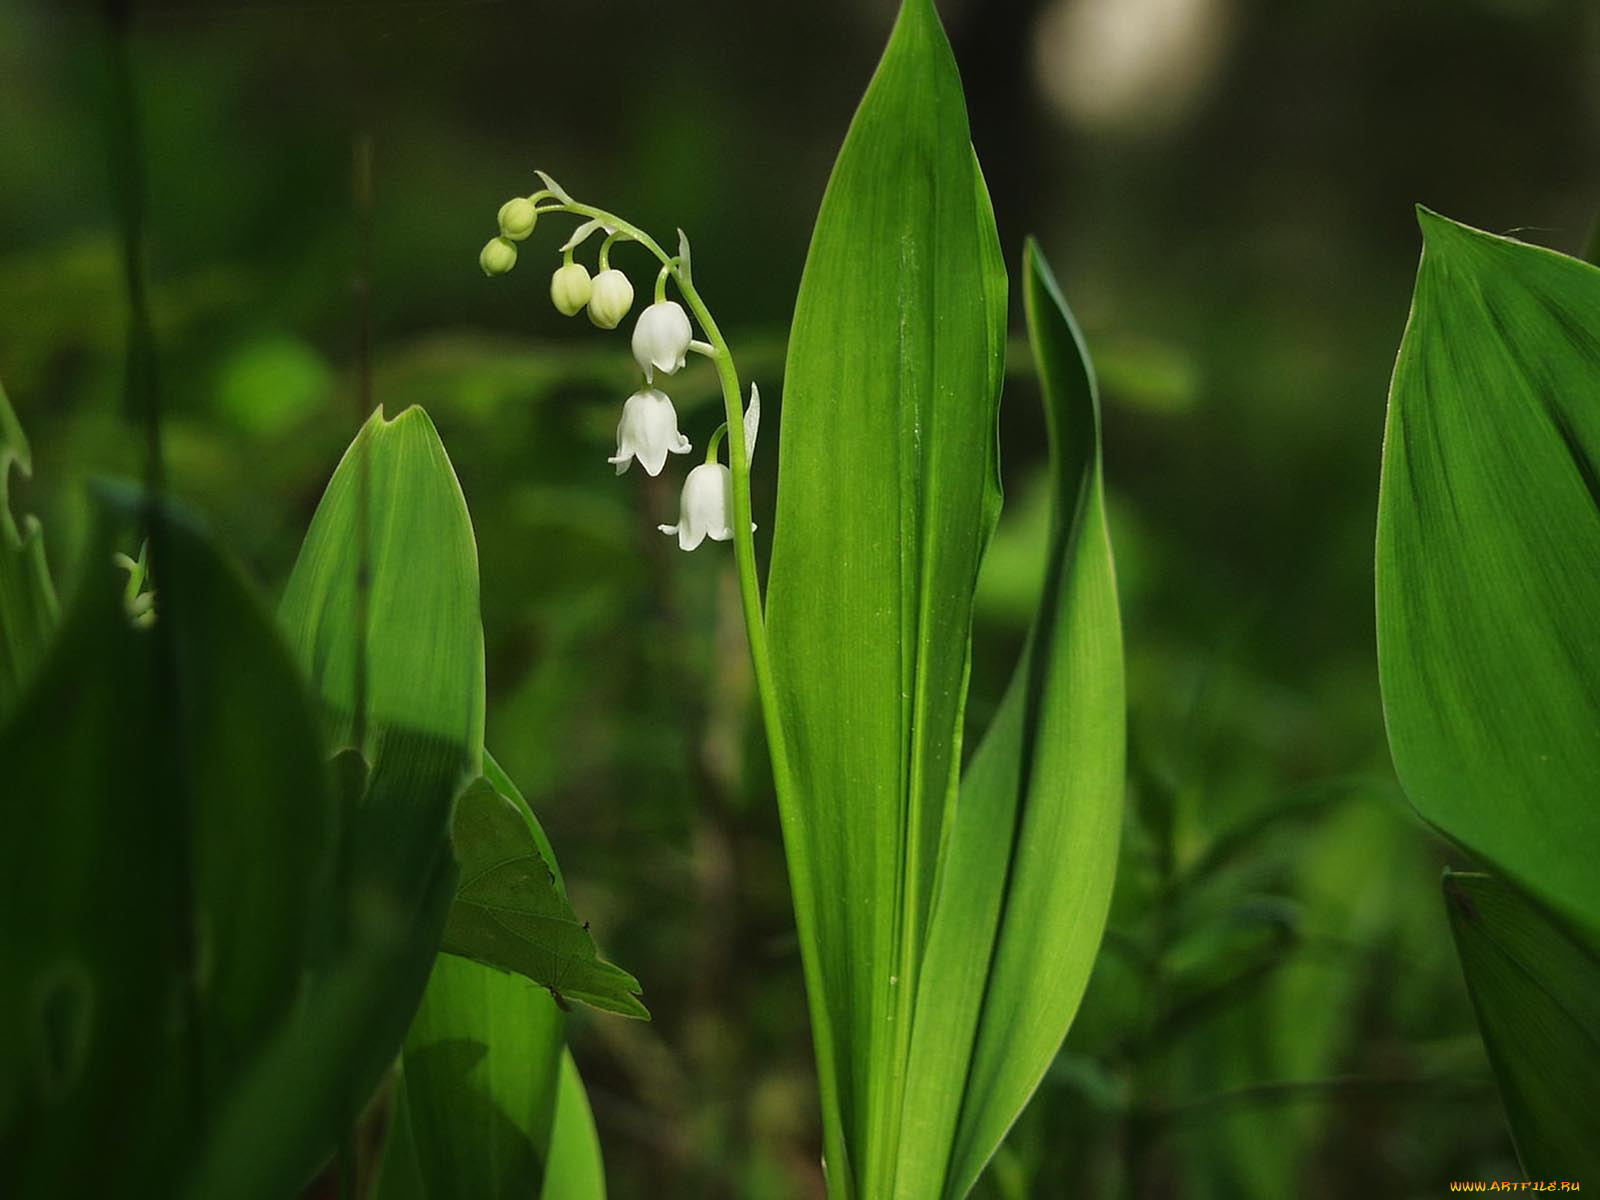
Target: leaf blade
<point x="1033" y="849"/>
<point x="1536" y="990"/>
<point x="887" y="496"/>
<point x="1488" y="529"/>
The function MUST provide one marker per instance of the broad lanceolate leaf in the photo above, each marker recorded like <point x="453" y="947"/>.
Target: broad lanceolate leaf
<point x="512" y="913"/>
<point x="165" y="812"/>
<point x="887" y="495"/>
<point x="1536" y="988"/>
<point x="27" y="595"/>
<point x="1022" y="901"/>
<point x="1488" y="543"/>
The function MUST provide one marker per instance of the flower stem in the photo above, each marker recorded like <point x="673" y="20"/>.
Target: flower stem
<point x="790" y="809"/>
<point x="716" y="442"/>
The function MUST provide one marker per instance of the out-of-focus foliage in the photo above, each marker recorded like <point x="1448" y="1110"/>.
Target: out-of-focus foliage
<point x="27" y="593"/>
<point x="166" y="831"/>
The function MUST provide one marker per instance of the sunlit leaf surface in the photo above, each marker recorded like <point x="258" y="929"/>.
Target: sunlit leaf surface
<point x="887" y="495"/>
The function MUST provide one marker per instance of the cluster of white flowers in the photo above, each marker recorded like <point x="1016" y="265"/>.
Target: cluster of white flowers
<point x="663" y="336"/>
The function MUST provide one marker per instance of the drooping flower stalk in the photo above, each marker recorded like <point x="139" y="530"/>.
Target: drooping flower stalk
<point x="662" y="341"/>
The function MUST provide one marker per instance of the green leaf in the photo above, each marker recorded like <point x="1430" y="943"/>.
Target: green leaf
<point x="483" y="1060"/>
<point x="1536" y="989"/>
<point x="165" y="804"/>
<point x="887" y="496"/>
<point x="482" y="1066"/>
<point x="1488" y="592"/>
<point x="408" y="656"/>
<point x="419" y="628"/>
<point x="512" y="913"/>
<point x="28" y="611"/>
<point x="576" y="1170"/>
<point x="1022" y="902"/>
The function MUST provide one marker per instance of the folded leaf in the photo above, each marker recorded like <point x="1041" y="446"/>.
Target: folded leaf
<point x="887" y="495"/>
<point x="1022" y="902"/>
<point x="510" y="912"/>
<point x="1536" y="988"/>
<point x="1488" y="538"/>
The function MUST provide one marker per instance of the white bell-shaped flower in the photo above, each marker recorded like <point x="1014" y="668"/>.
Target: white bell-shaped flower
<point x="648" y="432"/>
<point x="705" y="509"/>
<point x="610" y="298"/>
<point x="661" y="338"/>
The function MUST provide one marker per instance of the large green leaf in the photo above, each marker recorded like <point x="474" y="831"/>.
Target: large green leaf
<point x="1488" y="588"/>
<point x="887" y="494"/>
<point x="1022" y="902"/>
<point x="27" y="595"/>
<point x="1536" y="989"/>
<point x="165" y="813"/>
<point x="511" y="911"/>
<point x="406" y="653"/>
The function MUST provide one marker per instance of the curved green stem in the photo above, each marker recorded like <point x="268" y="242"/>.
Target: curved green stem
<point x="790" y="810"/>
<point x="716" y="442"/>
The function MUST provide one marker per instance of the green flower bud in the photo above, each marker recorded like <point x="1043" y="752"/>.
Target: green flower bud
<point x="570" y="288"/>
<point x="498" y="257"/>
<point x="610" y="298"/>
<point x="517" y="218"/>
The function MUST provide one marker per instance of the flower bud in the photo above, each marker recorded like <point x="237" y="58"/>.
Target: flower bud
<point x="570" y="288"/>
<point x="498" y="256"/>
<point x="610" y="298"/>
<point x="517" y="218"/>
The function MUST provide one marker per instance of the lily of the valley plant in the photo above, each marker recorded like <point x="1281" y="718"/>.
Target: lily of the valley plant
<point x="947" y="920"/>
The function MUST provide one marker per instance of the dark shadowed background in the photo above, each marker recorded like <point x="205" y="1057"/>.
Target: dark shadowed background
<point x="1226" y="190"/>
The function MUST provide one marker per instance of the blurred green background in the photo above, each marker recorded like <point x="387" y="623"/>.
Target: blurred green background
<point x="1225" y="187"/>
